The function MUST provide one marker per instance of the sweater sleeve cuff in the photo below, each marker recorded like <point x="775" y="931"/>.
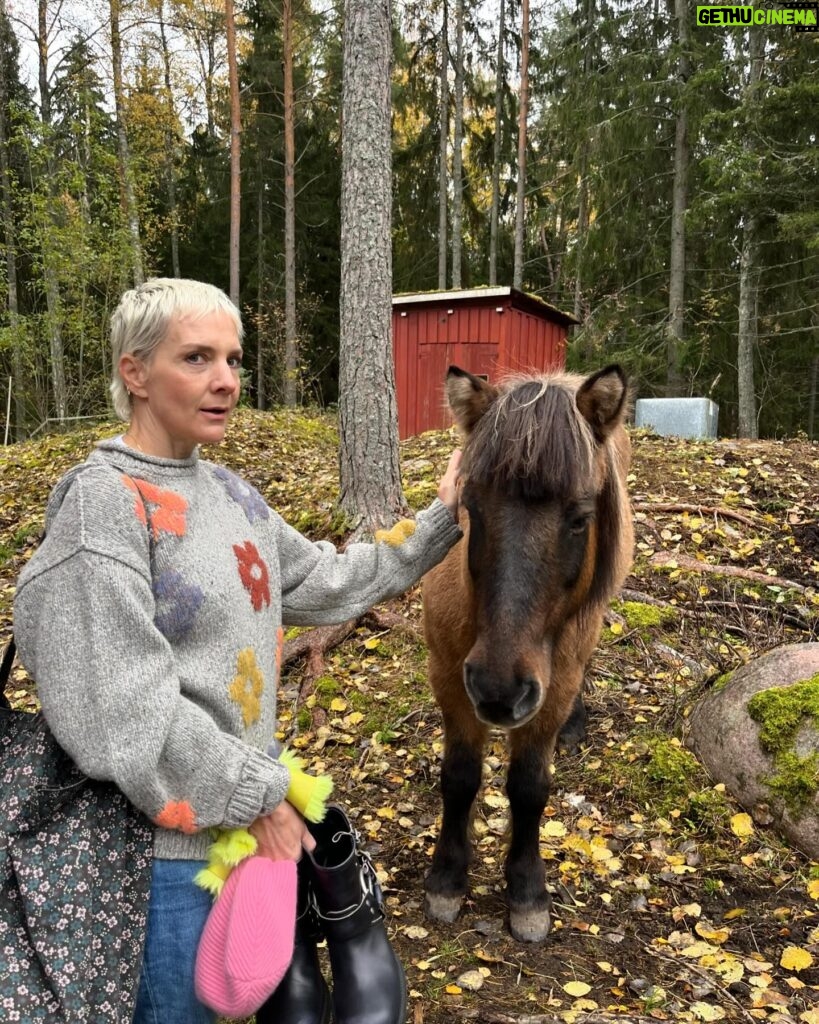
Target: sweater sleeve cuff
<point x="262" y="787"/>
<point x="443" y="529"/>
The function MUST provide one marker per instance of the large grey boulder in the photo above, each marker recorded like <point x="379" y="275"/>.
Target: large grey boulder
<point x="768" y="757"/>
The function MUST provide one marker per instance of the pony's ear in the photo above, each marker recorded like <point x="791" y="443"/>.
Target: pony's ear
<point x="468" y="397"/>
<point x="602" y="400"/>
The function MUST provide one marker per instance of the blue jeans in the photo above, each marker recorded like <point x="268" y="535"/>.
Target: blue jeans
<point x="176" y="916"/>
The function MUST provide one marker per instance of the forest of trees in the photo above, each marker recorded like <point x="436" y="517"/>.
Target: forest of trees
<point x="657" y="178"/>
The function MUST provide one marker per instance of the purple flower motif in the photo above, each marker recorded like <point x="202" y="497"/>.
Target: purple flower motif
<point x="177" y="604"/>
<point x="253" y="504"/>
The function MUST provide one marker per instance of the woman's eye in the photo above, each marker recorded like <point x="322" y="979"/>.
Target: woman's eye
<point x="193" y="357"/>
<point x="235" y="363"/>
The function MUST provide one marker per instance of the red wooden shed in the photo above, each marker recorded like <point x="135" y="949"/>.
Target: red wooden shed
<point x="487" y="331"/>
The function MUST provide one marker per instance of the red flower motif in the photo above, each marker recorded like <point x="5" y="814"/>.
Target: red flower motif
<point x="253" y="574"/>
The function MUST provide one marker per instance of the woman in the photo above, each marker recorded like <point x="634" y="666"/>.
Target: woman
<point x="151" y="615"/>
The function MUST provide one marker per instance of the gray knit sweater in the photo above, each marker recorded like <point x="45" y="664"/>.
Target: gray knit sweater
<point x="151" y="619"/>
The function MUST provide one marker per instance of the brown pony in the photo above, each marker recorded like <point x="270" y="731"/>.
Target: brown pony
<point x="514" y="612"/>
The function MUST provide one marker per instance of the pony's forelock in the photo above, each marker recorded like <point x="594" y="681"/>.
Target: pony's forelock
<point x="532" y="440"/>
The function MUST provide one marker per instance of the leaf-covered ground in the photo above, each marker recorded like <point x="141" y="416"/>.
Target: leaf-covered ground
<point x="669" y="902"/>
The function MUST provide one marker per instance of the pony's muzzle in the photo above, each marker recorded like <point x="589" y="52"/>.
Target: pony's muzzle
<point x="506" y="705"/>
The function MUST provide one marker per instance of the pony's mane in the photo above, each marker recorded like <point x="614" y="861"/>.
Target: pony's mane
<point x="532" y="440"/>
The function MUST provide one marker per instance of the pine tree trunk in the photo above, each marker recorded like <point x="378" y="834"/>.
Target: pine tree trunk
<point x="10" y="238"/>
<point x="235" y="154"/>
<point x="129" y="203"/>
<point x="523" y="113"/>
<point x="442" y="154"/>
<point x="496" y="155"/>
<point x="291" y="345"/>
<point x="457" y="147"/>
<point x="675" y="332"/>
<point x="371" y="495"/>
<point x="749" y="270"/>
<point x="170" y="145"/>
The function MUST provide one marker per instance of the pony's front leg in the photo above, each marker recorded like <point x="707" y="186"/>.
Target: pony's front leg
<point x="527" y="786"/>
<point x="446" y="883"/>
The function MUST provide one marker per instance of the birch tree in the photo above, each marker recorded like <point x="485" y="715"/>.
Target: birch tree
<point x="235" y="153"/>
<point x="457" y="148"/>
<point x="291" y="347"/>
<point x="496" y="153"/>
<point x="126" y="170"/>
<point x="443" y="148"/>
<point x="676" y="280"/>
<point x="523" y="114"/>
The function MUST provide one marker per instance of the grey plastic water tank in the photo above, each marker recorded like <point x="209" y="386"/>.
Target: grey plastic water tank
<point x="678" y="417"/>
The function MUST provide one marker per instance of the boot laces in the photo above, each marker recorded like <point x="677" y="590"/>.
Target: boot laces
<point x="368" y="880"/>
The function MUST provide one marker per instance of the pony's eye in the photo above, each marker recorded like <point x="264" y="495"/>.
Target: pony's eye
<point x="578" y="525"/>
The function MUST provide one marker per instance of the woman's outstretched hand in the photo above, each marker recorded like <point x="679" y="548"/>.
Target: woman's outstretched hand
<point x="448" y="486"/>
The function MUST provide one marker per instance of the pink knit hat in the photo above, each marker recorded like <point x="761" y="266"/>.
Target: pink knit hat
<point x="247" y="943"/>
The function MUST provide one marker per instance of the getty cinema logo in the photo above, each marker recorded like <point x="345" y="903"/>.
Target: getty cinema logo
<point x="804" y="17"/>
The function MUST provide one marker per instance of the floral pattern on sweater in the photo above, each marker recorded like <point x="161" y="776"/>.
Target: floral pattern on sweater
<point x="253" y="573"/>
<point x="248" y="686"/>
<point x="248" y="498"/>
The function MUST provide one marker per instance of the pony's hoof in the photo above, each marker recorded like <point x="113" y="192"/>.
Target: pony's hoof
<point x="442" y="908"/>
<point x="529" y="924"/>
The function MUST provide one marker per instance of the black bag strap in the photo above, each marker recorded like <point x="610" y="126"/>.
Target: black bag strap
<point x="5" y="672"/>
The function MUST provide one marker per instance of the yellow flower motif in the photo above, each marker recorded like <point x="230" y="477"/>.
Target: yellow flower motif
<point x="395" y="537"/>
<point x="248" y="686"/>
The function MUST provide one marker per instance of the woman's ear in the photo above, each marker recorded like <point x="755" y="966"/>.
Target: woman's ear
<point x="133" y="372"/>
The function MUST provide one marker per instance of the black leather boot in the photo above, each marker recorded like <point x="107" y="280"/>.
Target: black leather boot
<point x="302" y="996"/>
<point x="369" y="986"/>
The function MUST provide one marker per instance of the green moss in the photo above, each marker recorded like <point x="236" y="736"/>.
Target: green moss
<point x="643" y="616"/>
<point x="326" y="686"/>
<point x="304" y="719"/>
<point x="661" y="774"/>
<point x="722" y="681"/>
<point x="797" y="780"/>
<point x="780" y="712"/>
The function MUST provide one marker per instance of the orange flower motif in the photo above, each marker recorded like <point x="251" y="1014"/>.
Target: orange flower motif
<point x="168" y="514"/>
<point x="248" y="686"/>
<point x="253" y="574"/>
<point x="177" y="814"/>
<point x="279" y="649"/>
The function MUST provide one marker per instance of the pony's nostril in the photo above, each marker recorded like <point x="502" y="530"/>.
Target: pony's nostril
<point x="528" y="700"/>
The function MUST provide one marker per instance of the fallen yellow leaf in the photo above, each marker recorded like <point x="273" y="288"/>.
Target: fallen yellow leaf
<point x="742" y="825"/>
<point x="711" y="934"/>
<point x="707" y="1011"/>
<point x="454" y="990"/>
<point x="338" y="704"/>
<point x="576" y="988"/>
<point x="794" y="958"/>
<point x="813" y="888"/>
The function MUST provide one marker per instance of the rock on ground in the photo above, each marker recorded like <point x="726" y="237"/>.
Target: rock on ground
<point x="726" y="739"/>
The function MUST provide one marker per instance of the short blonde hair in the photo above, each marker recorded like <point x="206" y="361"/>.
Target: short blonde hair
<point x="141" y="321"/>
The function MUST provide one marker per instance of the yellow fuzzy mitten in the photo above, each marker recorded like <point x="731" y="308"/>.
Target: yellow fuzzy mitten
<point x="307" y="793"/>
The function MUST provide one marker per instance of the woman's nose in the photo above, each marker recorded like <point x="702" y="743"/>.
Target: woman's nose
<point x="225" y="378"/>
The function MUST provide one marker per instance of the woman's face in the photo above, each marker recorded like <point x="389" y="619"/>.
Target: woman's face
<point x="184" y="394"/>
